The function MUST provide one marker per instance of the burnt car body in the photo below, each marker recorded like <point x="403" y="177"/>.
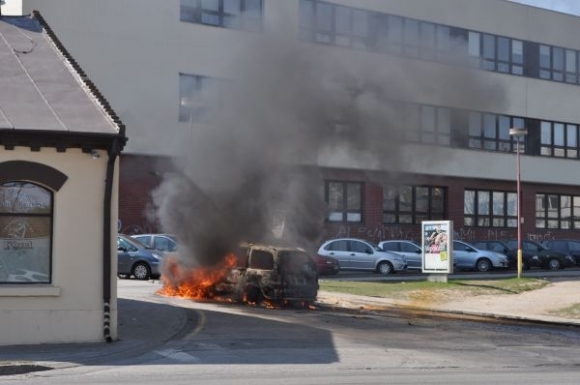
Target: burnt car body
<point x="280" y="274"/>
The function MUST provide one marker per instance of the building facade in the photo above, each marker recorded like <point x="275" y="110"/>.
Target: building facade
<point x="446" y="79"/>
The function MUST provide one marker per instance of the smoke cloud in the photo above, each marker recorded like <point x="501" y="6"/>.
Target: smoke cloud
<point x="254" y="168"/>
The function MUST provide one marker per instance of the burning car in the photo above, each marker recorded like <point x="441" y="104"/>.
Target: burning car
<point x="253" y="273"/>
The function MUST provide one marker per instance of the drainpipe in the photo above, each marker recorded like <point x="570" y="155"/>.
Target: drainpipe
<point x="113" y="154"/>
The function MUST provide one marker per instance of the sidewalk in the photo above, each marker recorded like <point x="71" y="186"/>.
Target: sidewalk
<point x="147" y="322"/>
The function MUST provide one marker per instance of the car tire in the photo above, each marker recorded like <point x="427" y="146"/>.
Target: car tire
<point x="385" y="268"/>
<point x="141" y="271"/>
<point x="483" y="265"/>
<point x="554" y="264"/>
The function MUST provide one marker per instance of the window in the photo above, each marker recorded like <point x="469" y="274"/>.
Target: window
<point x="344" y="201"/>
<point x="559" y="140"/>
<point x="412" y="204"/>
<point x="496" y="53"/>
<point x="26" y="233"/>
<point x="554" y="211"/>
<point x="492" y="132"/>
<point x="482" y="208"/>
<point x="558" y="64"/>
<point x="236" y="14"/>
<point x="198" y="95"/>
<point x="260" y="259"/>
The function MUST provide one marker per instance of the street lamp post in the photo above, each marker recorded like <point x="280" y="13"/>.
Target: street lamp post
<point x="519" y="133"/>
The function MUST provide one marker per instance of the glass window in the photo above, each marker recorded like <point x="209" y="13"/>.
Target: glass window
<point x="344" y="201"/>
<point x="494" y="208"/>
<point x="26" y="232"/>
<point x="238" y="14"/>
<point x="474" y="44"/>
<point x="557" y="211"/>
<point x="412" y="204"/>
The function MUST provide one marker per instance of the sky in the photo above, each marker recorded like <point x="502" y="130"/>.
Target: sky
<point x="565" y="6"/>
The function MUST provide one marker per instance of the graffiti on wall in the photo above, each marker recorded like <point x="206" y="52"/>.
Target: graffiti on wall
<point x="468" y="234"/>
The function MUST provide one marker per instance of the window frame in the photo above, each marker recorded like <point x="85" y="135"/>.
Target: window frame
<point x="342" y="212"/>
<point x="476" y="216"/>
<point x="548" y="208"/>
<point x="392" y="206"/>
<point x="23" y="215"/>
<point x="192" y="11"/>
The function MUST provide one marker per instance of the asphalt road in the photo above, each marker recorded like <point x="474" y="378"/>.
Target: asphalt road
<point x="223" y="343"/>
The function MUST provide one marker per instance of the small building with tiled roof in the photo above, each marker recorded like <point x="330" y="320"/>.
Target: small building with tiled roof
<point x="60" y="142"/>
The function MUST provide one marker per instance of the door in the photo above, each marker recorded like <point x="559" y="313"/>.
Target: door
<point x="339" y="249"/>
<point x="124" y="256"/>
<point x="362" y="256"/>
<point x="463" y="255"/>
<point x="413" y="254"/>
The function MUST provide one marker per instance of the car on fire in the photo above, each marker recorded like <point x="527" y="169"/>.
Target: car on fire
<point x="359" y="254"/>
<point x="281" y="274"/>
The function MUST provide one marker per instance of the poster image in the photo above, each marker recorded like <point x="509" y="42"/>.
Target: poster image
<point x="437" y="244"/>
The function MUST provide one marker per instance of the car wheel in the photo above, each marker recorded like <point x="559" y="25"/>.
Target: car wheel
<point x="141" y="271"/>
<point x="385" y="268"/>
<point x="483" y="265"/>
<point x="554" y="264"/>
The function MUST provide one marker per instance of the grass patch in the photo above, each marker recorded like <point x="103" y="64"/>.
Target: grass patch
<point x="568" y="312"/>
<point x="433" y="291"/>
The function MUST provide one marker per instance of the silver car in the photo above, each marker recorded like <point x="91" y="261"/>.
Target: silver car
<point x="467" y="256"/>
<point x="135" y="259"/>
<point x="359" y="254"/>
<point x="410" y="249"/>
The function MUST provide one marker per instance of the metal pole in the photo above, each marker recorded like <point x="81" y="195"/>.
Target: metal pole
<point x="519" y="203"/>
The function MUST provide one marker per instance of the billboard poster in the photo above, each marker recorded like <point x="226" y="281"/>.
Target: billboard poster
<point x="437" y="245"/>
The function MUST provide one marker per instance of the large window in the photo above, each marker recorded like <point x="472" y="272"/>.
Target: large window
<point x="344" y="201"/>
<point x="412" y="204"/>
<point x="484" y="208"/>
<point x="492" y="132"/>
<point x="237" y="14"/>
<point x="496" y="53"/>
<point x="25" y="233"/>
<point x="427" y="124"/>
<point x="558" y="64"/>
<point x="559" y="139"/>
<point x="554" y="211"/>
<point x="198" y="95"/>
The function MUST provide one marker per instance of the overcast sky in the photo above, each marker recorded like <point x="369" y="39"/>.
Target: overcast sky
<point x="566" y="6"/>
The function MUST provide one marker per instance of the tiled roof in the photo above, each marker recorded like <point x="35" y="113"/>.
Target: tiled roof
<point x="43" y="90"/>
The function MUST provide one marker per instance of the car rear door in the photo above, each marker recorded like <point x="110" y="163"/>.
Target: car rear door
<point x="413" y="254"/>
<point x="362" y="255"/>
<point x="339" y="249"/>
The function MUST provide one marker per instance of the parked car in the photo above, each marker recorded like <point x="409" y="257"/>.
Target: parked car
<point x="566" y="246"/>
<point x="166" y="243"/>
<point x="136" y="259"/>
<point x="467" y="256"/>
<point x="359" y="254"/>
<point x="548" y="259"/>
<point x="326" y="265"/>
<point x="410" y="249"/>
<point x="528" y="259"/>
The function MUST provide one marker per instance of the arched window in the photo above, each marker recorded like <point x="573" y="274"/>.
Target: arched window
<point x="25" y="233"/>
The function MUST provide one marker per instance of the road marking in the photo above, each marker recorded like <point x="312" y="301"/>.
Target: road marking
<point x="177" y="355"/>
<point x="200" y="324"/>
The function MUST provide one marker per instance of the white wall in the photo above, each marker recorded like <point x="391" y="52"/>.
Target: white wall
<point x="71" y="308"/>
<point x="12" y="8"/>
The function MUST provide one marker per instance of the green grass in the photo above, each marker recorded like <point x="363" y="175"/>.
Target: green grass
<point x="433" y="290"/>
<point x="569" y="312"/>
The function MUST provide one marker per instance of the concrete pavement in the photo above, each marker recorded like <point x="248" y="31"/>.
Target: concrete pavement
<point x="146" y="323"/>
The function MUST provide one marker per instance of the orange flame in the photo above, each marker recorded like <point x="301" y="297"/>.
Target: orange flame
<point x="193" y="283"/>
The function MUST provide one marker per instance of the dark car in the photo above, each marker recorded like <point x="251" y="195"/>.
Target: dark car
<point x="567" y="246"/>
<point x="166" y="243"/>
<point x="326" y="265"/>
<point x="528" y="259"/>
<point x="548" y="259"/>
<point x="136" y="259"/>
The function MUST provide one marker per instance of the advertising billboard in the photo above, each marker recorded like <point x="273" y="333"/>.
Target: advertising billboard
<point x="437" y="245"/>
